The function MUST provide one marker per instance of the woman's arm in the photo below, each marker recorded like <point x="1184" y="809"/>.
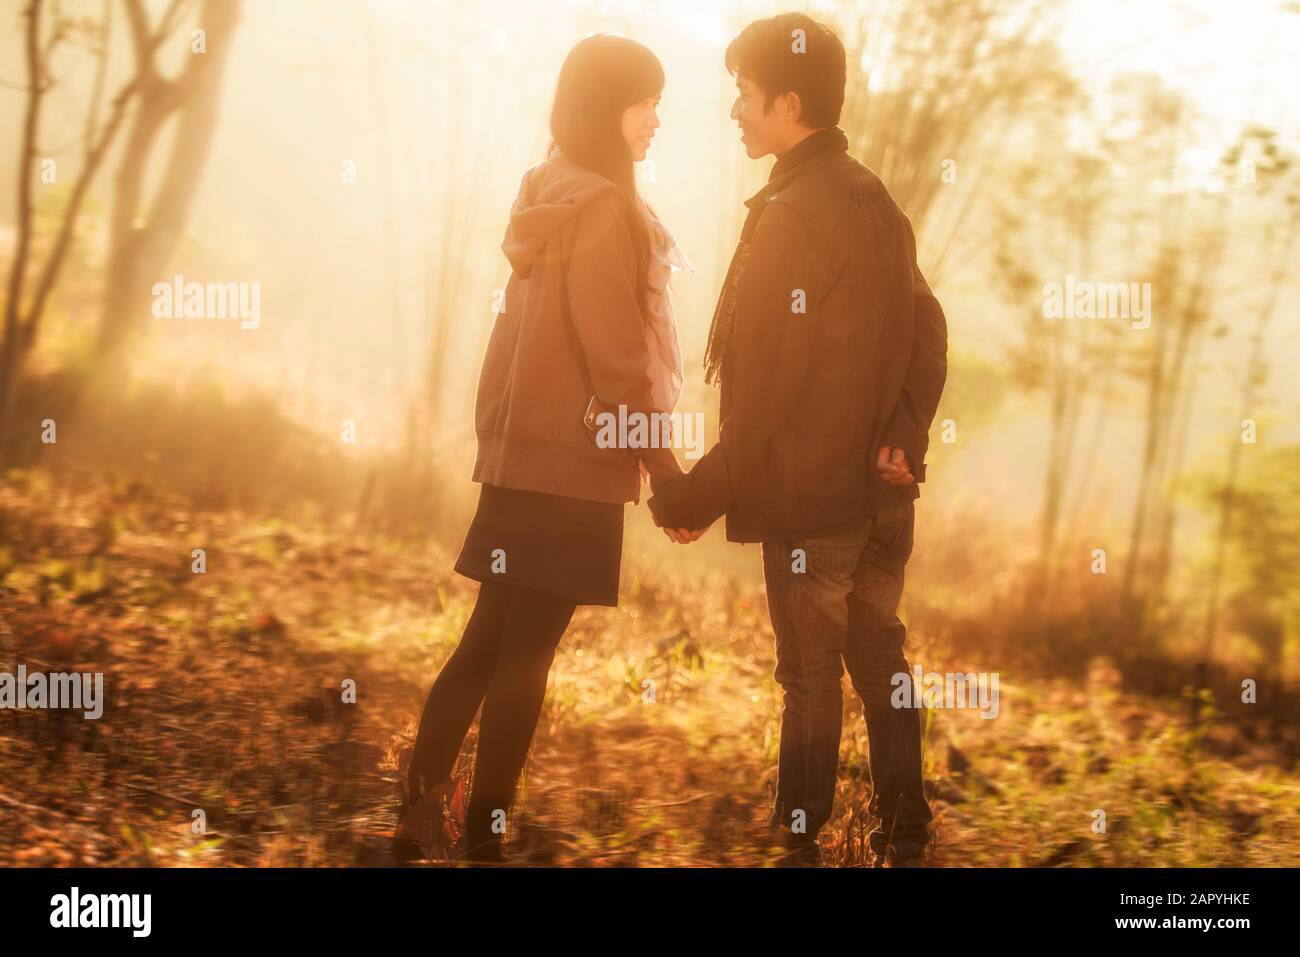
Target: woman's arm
<point x="606" y="310"/>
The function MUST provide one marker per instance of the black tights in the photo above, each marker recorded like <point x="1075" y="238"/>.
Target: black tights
<point x="503" y="661"/>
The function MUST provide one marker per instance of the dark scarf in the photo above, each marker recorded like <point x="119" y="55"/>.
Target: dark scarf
<point x="831" y="139"/>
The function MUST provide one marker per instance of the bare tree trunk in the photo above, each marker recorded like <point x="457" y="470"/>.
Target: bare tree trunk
<point x="21" y="327"/>
<point x="460" y="232"/>
<point x="1253" y="366"/>
<point x="18" y="336"/>
<point x="1150" y="454"/>
<point x="138" y="253"/>
<point x="1181" y="387"/>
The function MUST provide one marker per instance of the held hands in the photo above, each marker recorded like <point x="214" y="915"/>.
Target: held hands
<point x="684" y="536"/>
<point x="893" y="466"/>
<point x="662" y="512"/>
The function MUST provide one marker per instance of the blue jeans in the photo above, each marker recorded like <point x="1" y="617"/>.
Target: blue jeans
<point x="834" y="602"/>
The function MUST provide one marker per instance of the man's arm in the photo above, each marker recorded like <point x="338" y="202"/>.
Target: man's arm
<point x="768" y="355"/>
<point x="927" y="369"/>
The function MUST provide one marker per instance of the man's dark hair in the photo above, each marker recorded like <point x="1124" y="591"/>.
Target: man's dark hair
<point x="766" y="52"/>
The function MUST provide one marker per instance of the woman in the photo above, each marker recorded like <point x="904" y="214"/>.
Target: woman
<point x="586" y="324"/>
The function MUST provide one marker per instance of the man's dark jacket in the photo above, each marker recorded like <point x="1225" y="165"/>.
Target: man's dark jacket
<point x="838" y="348"/>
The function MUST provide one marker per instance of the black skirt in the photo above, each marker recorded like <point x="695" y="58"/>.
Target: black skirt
<point x="564" y="546"/>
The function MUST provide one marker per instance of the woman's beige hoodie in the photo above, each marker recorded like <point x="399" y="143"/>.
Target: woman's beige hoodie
<point x="570" y="329"/>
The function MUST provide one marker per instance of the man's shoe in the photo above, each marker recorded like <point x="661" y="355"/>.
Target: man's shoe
<point x="800" y="851"/>
<point x="906" y="855"/>
<point x="485" y="852"/>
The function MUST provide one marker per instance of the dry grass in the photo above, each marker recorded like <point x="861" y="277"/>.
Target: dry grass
<point x="223" y="696"/>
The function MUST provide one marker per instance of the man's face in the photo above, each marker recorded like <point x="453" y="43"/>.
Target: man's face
<point x="763" y="131"/>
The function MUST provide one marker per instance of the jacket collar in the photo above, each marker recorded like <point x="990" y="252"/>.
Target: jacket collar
<point x="789" y="164"/>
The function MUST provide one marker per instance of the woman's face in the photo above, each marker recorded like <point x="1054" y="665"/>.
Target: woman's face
<point x="640" y="120"/>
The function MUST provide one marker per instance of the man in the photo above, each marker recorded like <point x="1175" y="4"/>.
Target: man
<point x="831" y="352"/>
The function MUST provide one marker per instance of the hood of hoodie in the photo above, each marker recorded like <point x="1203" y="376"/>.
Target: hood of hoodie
<point x="550" y="195"/>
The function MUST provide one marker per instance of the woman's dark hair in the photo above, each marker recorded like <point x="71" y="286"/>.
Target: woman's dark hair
<point x="779" y="60"/>
<point x="602" y="76"/>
